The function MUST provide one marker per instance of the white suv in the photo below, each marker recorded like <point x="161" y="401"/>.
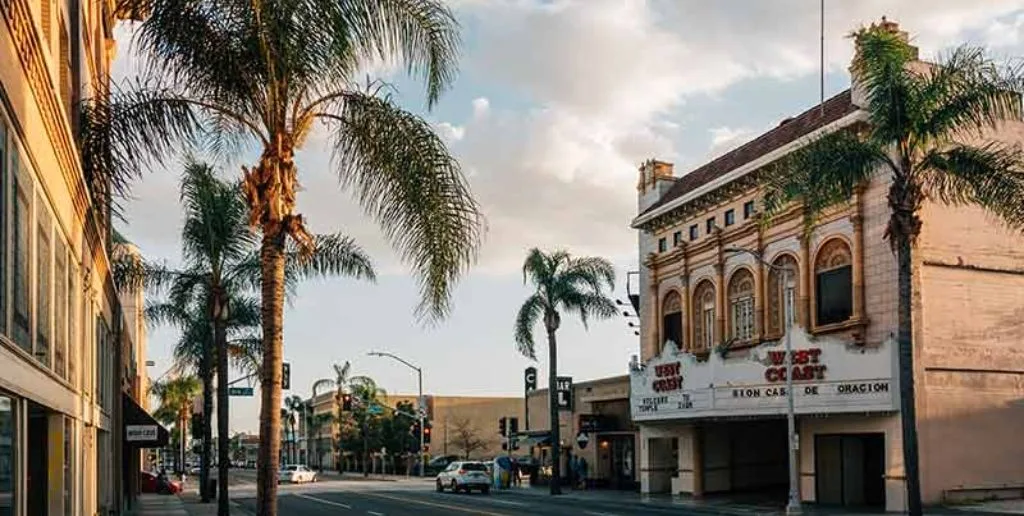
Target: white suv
<point x="295" y="473"/>
<point x="464" y="475"/>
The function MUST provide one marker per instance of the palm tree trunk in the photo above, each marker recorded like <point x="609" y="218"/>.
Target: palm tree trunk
<point x="205" y="372"/>
<point x="556" y="470"/>
<point x="906" y="357"/>
<point x="272" y="260"/>
<point x="223" y="460"/>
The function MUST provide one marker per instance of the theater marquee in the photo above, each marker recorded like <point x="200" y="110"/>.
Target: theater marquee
<point x="830" y="375"/>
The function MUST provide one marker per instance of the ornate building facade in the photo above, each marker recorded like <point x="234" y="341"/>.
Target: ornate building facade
<point x="67" y="366"/>
<point x="718" y="287"/>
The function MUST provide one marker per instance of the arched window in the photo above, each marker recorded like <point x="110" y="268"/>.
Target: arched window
<point x="672" y="319"/>
<point x="833" y="282"/>
<point x="782" y="289"/>
<point x="703" y="316"/>
<point x="741" y="305"/>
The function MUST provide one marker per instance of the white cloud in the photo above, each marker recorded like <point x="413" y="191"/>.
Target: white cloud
<point x="451" y="133"/>
<point x="481" y="106"/>
<point x="724" y="139"/>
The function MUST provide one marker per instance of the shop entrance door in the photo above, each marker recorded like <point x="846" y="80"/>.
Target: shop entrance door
<point x="37" y="480"/>
<point x="622" y="463"/>
<point x="849" y="469"/>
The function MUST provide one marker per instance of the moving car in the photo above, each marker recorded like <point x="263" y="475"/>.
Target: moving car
<point x="437" y="464"/>
<point x="148" y="483"/>
<point x="464" y="476"/>
<point x="295" y="473"/>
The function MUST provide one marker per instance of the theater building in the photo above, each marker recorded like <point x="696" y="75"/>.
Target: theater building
<point x="707" y="390"/>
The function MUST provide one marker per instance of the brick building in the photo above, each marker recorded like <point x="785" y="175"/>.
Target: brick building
<point x="706" y="388"/>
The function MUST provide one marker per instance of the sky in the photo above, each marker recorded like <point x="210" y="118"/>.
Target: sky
<point x="556" y="105"/>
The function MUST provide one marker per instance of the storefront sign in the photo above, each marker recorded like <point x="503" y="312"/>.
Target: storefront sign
<point x="563" y="386"/>
<point x="830" y="375"/>
<point x="140" y="433"/>
<point x="530" y="379"/>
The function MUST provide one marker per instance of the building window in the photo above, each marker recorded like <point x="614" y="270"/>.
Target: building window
<point x="672" y="319"/>
<point x="833" y="274"/>
<point x="44" y="276"/>
<point x="781" y="294"/>
<point x="9" y="445"/>
<point x="694" y="232"/>
<point x="741" y="305"/>
<point x="730" y="217"/>
<point x="662" y="245"/>
<point x="748" y="210"/>
<point x="22" y="255"/>
<point x="3" y="227"/>
<point x="704" y="316"/>
<point x="60" y="309"/>
<point x="677" y="238"/>
<point x="74" y="321"/>
<point x="709" y="225"/>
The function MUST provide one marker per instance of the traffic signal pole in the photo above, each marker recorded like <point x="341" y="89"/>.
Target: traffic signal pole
<point x="420" y="410"/>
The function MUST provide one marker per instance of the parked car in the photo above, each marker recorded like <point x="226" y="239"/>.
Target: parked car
<point x="437" y="464"/>
<point x="295" y="473"/>
<point x="464" y="476"/>
<point x="149" y="483"/>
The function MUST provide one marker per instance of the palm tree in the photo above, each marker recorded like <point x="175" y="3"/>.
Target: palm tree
<point x="365" y="395"/>
<point x="296" y="409"/>
<point x="561" y="283"/>
<point x="923" y="133"/>
<point x="206" y="297"/>
<point x="268" y="74"/>
<point x="175" y="398"/>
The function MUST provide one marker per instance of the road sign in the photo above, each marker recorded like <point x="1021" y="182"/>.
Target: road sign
<point x="582" y="440"/>
<point x="239" y="391"/>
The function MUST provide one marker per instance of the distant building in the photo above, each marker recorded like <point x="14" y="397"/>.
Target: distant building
<point x="708" y="389"/>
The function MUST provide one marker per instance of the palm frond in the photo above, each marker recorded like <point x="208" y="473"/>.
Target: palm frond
<point x="990" y="176"/>
<point x="589" y="304"/>
<point x="880" y="67"/>
<point x="526" y="320"/>
<point x="246" y="353"/>
<point x="403" y="175"/>
<point x="535" y="267"/>
<point x="332" y="255"/>
<point x="595" y="272"/>
<point x="323" y="383"/>
<point x="169" y="314"/>
<point x="821" y="174"/>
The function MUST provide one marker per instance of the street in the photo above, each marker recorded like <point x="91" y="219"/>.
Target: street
<point x="415" y="497"/>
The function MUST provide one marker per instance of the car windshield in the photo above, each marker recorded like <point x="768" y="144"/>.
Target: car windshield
<point x="474" y="466"/>
<point x="289" y="468"/>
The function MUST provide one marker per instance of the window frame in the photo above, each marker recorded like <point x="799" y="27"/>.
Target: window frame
<point x="44" y="282"/>
<point x="677" y="238"/>
<point x="694" y="232"/>
<point x="730" y="217"/>
<point x="832" y="249"/>
<point x="709" y="225"/>
<point x="749" y="209"/>
<point x="704" y="316"/>
<point x="677" y="311"/>
<point x="741" y="305"/>
<point x="22" y="225"/>
<point x="662" y="244"/>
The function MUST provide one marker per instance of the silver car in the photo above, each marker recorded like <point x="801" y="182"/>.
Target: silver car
<point x="464" y="476"/>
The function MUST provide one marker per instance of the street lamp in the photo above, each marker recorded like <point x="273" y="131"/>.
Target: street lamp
<point x="420" y="409"/>
<point x="793" y="505"/>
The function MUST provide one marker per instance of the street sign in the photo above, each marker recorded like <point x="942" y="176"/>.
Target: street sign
<point x="563" y="385"/>
<point x="140" y="433"/>
<point x="582" y="440"/>
<point x="239" y="391"/>
<point x="286" y="376"/>
<point x="530" y="379"/>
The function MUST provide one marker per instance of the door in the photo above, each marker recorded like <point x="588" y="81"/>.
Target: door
<point x="849" y="469"/>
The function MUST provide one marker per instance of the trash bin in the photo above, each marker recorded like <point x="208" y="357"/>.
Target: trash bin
<point x="211" y="487"/>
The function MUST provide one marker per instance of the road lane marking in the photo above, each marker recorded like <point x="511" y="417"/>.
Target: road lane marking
<point x="507" y="502"/>
<point x="321" y="500"/>
<point x="375" y="513"/>
<point x="431" y="504"/>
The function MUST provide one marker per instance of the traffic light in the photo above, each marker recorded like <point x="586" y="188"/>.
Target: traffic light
<point x="426" y="433"/>
<point x="502" y="427"/>
<point x="513" y="426"/>
<point x="286" y="376"/>
<point x="346" y="402"/>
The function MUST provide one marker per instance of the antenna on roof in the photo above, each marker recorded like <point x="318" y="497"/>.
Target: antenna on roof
<point x="822" y="85"/>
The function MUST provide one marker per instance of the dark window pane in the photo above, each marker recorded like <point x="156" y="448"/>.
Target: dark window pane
<point x="694" y="232"/>
<point x="748" y="209"/>
<point x="677" y="238"/>
<point x="730" y="217"/>
<point x="8" y="461"/>
<point x="710" y="225"/>
<point x="662" y="245"/>
<point x="672" y="325"/>
<point x="834" y="290"/>
<point x="44" y="254"/>
<point x="22" y="280"/>
<point x="474" y="466"/>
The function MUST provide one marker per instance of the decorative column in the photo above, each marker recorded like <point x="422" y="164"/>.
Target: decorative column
<point x="719" y="292"/>
<point x="686" y="335"/>
<point x="653" y="323"/>
<point x="858" y="254"/>
<point x="804" y="288"/>
<point x="760" y="299"/>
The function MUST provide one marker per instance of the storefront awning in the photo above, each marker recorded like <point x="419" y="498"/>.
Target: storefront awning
<point x="140" y="429"/>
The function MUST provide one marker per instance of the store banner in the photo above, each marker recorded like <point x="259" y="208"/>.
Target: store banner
<point x="830" y="375"/>
<point x="564" y="392"/>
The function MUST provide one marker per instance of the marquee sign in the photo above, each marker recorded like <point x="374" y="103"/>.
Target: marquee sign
<point x="830" y="375"/>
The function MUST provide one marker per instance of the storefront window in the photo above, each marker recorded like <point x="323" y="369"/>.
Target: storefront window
<point x="8" y="462"/>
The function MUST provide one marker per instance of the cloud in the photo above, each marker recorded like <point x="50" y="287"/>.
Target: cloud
<point x="724" y="139"/>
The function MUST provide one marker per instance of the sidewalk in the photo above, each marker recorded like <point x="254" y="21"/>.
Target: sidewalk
<point x="184" y="504"/>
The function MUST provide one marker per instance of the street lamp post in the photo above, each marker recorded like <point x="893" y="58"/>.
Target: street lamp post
<point x="419" y="401"/>
<point x="793" y="505"/>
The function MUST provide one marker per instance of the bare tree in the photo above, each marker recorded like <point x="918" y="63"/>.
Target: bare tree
<point x="466" y="437"/>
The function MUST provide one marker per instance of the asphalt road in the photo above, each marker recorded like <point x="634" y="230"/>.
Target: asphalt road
<point x="418" y="498"/>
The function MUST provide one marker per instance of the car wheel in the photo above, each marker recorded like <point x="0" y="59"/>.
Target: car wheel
<point x="440" y="486"/>
<point x="455" y="486"/>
